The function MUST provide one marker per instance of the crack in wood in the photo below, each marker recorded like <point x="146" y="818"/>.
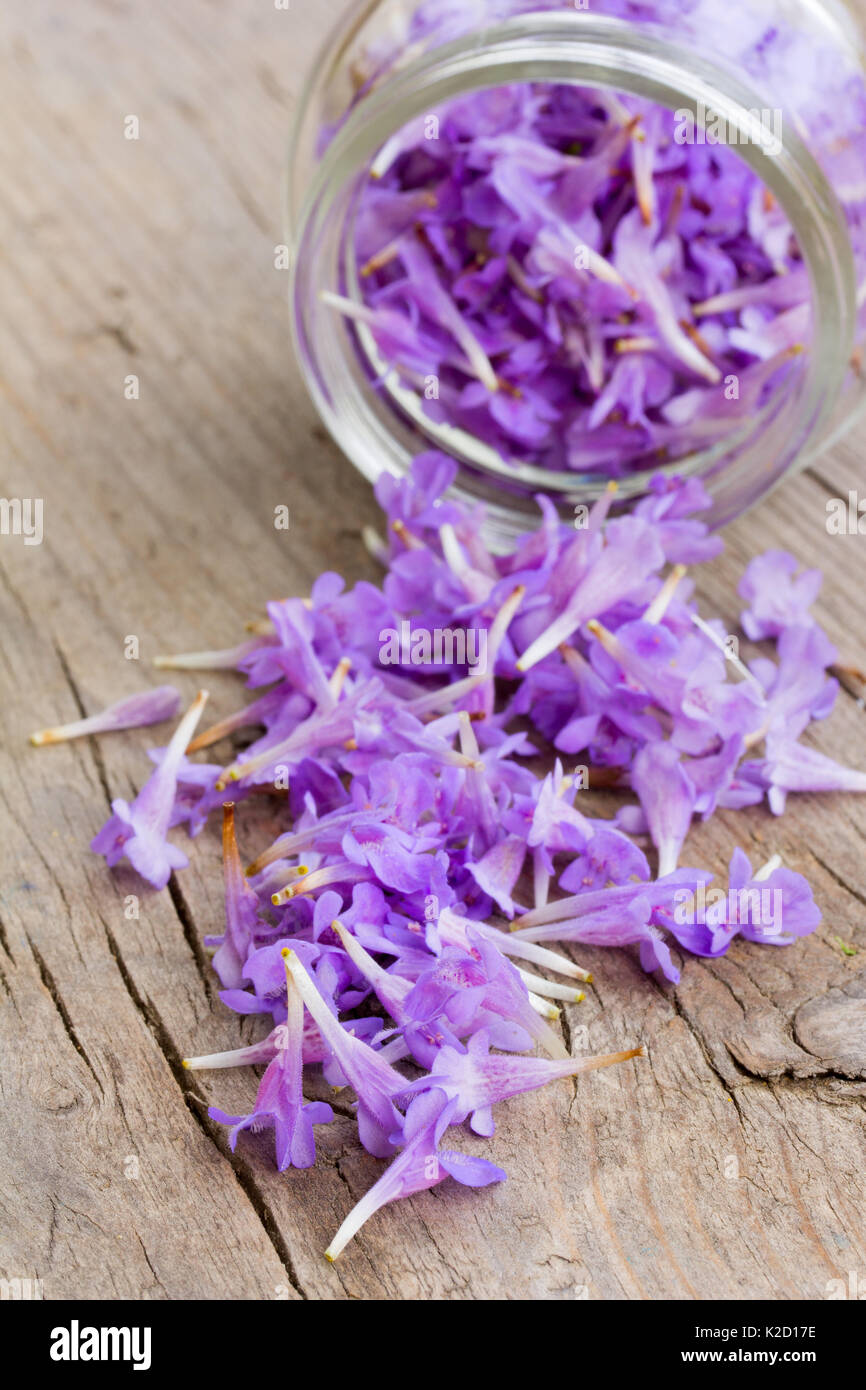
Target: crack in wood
<point x="50" y="984"/>
<point x="4" y="941"/>
<point x="823" y="483"/>
<point x="678" y="1007"/>
<point x="839" y="879"/>
<point x="192" y="936"/>
<point x="96" y="751"/>
<point x="149" y="1262"/>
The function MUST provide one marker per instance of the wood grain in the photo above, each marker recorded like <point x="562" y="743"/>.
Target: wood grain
<point x="730" y="1164"/>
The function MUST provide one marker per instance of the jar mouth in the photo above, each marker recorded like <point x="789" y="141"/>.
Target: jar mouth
<point x="593" y="52"/>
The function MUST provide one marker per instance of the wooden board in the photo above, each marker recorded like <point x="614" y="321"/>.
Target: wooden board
<point x="731" y="1164"/>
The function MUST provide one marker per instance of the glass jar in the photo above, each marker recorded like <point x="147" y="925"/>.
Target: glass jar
<point x="390" y="62"/>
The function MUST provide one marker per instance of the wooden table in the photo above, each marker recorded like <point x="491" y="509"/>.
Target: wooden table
<point x="730" y="1164"/>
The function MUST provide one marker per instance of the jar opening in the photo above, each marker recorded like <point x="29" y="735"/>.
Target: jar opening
<point x="342" y="354"/>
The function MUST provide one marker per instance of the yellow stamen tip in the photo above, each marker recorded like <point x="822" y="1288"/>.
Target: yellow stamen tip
<point x="185" y="1064"/>
<point x="329" y="1257"/>
<point x="286" y="952"/>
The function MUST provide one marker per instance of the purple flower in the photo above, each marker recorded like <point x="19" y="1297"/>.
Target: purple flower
<point x="631" y="554"/>
<point x="280" y="1101"/>
<point x="794" y="767"/>
<point x="476" y="1081"/>
<point x="391" y="989"/>
<point x="625" y="914"/>
<point x="420" y="1165"/>
<point x="774" y="907"/>
<point x="667" y="798"/>
<point x="798" y="690"/>
<point x="778" y="597"/>
<point x="505" y="994"/>
<point x="136" y="711"/>
<point x="242" y="909"/>
<point x="609" y="857"/>
<point x="416" y="501"/>
<point x="139" y="831"/>
<point x="497" y="873"/>
<point x="373" y="1080"/>
<point x="261" y="1053"/>
<point x="389" y="852"/>
<point x="670" y="504"/>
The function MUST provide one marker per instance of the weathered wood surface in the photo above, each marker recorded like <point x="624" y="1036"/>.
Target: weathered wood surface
<point x="729" y="1164"/>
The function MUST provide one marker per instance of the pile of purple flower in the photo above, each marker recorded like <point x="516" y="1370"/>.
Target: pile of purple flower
<point x="399" y="721"/>
<point x="557" y="273"/>
<point x="581" y="279"/>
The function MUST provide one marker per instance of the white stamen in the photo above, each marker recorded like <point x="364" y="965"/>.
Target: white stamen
<point x="359" y="1214"/>
<point x="767" y="869"/>
<point x="375" y="545"/>
<point x="540" y="880"/>
<point x="541" y="1006"/>
<point x="662" y="600"/>
<point x="550" y="989"/>
<point x="637" y="344"/>
<point x="468" y="741"/>
<point x="341" y="671"/>
<point x="211" y="661"/>
<point x="730" y="656"/>
<point x="321" y="878"/>
<point x="250" y="1056"/>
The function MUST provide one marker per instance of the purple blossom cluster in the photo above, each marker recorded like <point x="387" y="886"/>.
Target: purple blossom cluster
<point x="557" y="274"/>
<point x="581" y="279"/>
<point x="374" y="930"/>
